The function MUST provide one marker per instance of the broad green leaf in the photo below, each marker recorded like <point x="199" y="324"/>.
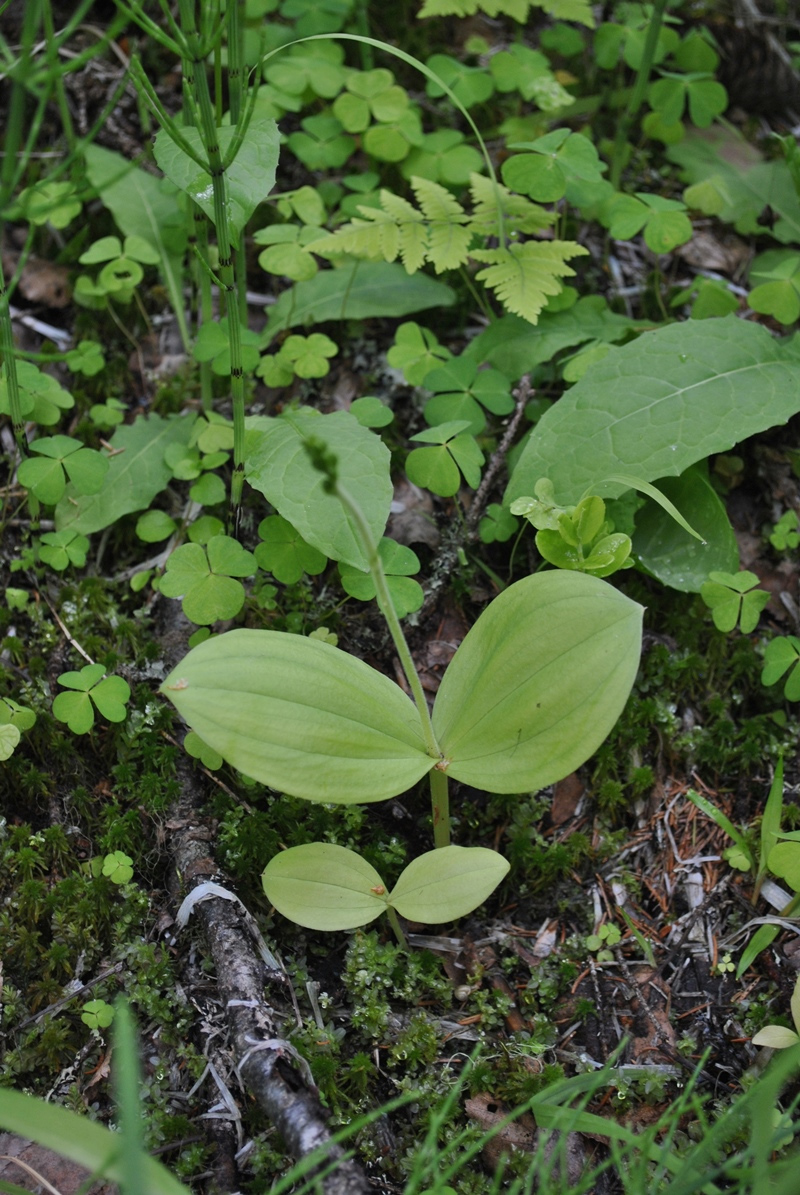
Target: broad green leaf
<point x="358" y="290"/>
<point x="777" y="1037"/>
<point x="656" y="406"/>
<point x="538" y="682"/>
<point x="154" y="526"/>
<point x="76" y="710"/>
<point x="81" y="1140"/>
<point x="324" y="887"/>
<point x="761" y="939"/>
<point x="301" y="716"/>
<point x="447" y="883"/>
<point x="248" y="179"/>
<point x="136" y="473"/>
<point x="110" y="697"/>
<point x="784" y="862"/>
<point x="668" y="552"/>
<point x="277" y="464"/>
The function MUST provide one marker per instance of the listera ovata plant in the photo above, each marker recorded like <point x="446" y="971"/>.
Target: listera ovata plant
<point x="531" y="692"/>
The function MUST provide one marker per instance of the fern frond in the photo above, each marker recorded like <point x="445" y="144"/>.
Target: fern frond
<point x="395" y="229"/>
<point x="448" y="237"/>
<point x="519" y="214"/>
<point x="561" y="10"/>
<point x="361" y="238"/>
<point x="411" y="236"/>
<point x="524" y="276"/>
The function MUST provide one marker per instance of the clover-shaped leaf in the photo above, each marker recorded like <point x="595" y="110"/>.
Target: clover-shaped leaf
<point x="439" y="468"/>
<point x="705" y="97"/>
<point x="371" y="412"/>
<point x="732" y="598"/>
<point x="415" y="352"/>
<point x="781" y="657"/>
<point x="86" y="358"/>
<point x="41" y="398"/>
<point x="553" y="162"/>
<point x="60" y="549"/>
<point x="785" y="535"/>
<point x="213" y="344"/>
<point x="45" y="476"/>
<point x="322" y="144"/>
<point x="118" y="867"/>
<point x="778" y="273"/>
<point x="76" y="708"/>
<point x="154" y="526"/>
<point x="97" y="1014"/>
<point x="286" y="254"/>
<point x="9" y="738"/>
<point x="462" y="390"/>
<point x="14" y="719"/>
<point x="398" y="562"/>
<point x="443" y="157"/>
<point x="109" y="414"/>
<point x="285" y="553"/>
<point x="50" y="203"/>
<point x="497" y="525"/>
<point x="204" y="578"/>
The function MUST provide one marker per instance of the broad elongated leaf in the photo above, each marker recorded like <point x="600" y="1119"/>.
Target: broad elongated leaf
<point x="538" y="682"/>
<point x="248" y="180"/>
<point x="358" y="290"/>
<point x="81" y="1140"/>
<point x="277" y="464"/>
<point x="136" y="473"/>
<point x="324" y="887"/>
<point x="447" y="883"/>
<point x="301" y="716"/>
<point x="654" y="407"/>
<point x="669" y="552"/>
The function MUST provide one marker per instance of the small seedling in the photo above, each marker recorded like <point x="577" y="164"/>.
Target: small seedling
<point x="785" y="535"/>
<point x="578" y="538"/>
<point x="97" y="1014"/>
<point x="607" y="936"/>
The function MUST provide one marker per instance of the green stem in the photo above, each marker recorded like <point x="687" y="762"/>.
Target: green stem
<point x="8" y="358"/>
<point x="395" y="924"/>
<point x="440" y="807"/>
<point x="639" y="89"/>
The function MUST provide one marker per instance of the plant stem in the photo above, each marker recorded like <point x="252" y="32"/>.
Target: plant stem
<point x="440" y="806"/>
<point x="398" y="931"/>
<point x="639" y="88"/>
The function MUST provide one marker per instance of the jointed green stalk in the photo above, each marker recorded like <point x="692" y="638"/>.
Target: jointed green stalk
<point x="639" y="89"/>
<point x="438" y="778"/>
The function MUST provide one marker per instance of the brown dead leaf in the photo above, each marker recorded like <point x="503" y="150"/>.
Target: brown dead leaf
<point x="567" y="796"/>
<point x="41" y="281"/>
<point x="411" y="520"/>
<point x="66" y="1177"/>
<point x="522" y="1134"/>
<point x="709" y="250"/>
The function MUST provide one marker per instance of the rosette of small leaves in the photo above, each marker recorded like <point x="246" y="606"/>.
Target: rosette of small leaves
<point x="785" y="535"/>
<point x="607" y="935"/>
<point x="205" y="577"/>
<point x="14" y="719"/>
<point x="781" y="658"/>
<point x="453" y="452"/>
<point x="734" y="598"/>
<point x="60" y="549"/>
<point x="578" y="538"/>
<point x="285" y="553"/>
<point x="59" y="458"/>
<point x="89" y="692"/>
<point x="399" y="562"/>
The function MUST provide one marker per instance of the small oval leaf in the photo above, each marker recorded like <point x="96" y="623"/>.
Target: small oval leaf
<point x="447" y="883"/>
<point x="538" y="682"/>
<point x="325" y="887"/>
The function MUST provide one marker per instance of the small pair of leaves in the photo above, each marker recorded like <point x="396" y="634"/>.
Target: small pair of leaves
<point x="89" y="692"/>
<point x="209" y="758"/>
<point x="14" y="719"/>
<point x="781" y="657"/>
<point x="733" y="598"/>
<point x="59" y="457"/>
<point x="462" y="391"/>
<point x="205" y="578"/>
<point x="710" y="298"/>
<point x="285" y="553"/>
<point x="303" y="356"/>
<point x="439" y="468"/>
<point x="326" y="887"/>
<point x="398" y="563"/>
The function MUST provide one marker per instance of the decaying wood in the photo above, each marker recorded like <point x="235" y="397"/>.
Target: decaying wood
<point x="267" y="1064"/>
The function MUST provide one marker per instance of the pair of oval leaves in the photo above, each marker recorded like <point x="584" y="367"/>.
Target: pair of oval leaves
<point x="532" y="691"/>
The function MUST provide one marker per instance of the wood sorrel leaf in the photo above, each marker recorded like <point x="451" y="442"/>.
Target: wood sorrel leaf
<point x="656" y="406"/>
<point x="301" y="716"/>
<point x="538" y="682"/>
<point x="325" y="887"/>
<point x="447" y="883"/>
<point x="278" y="465"/>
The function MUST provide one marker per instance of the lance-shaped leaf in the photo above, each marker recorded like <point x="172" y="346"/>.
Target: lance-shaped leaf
<point x="538" y="682"/>
<point x="324" y="887"/>
<point x="447" y="883"/>
<point x="301" y="716"/>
